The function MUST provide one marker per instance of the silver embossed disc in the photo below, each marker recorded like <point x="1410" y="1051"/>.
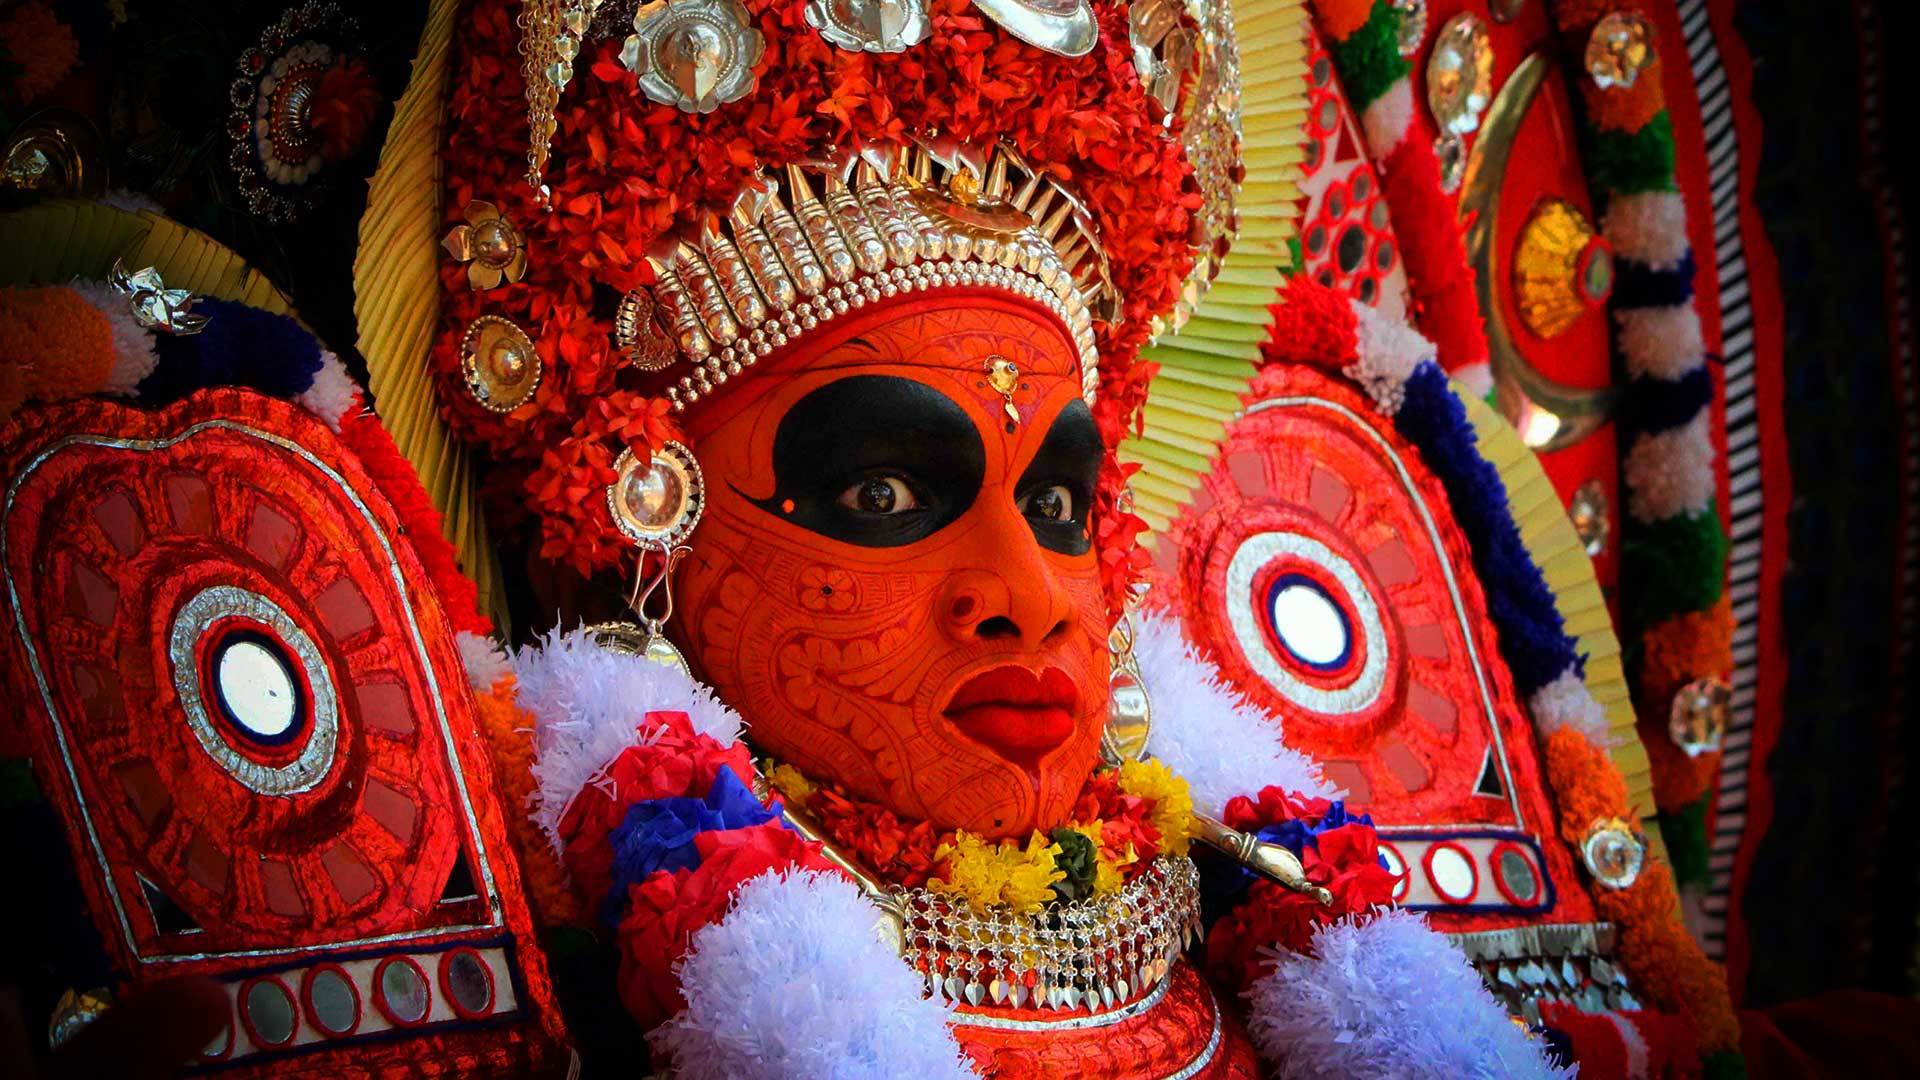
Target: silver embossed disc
<point x="657" y="502"/>
<point x="693" y="54"/>
<point x="1614" y="853"/>
<point x="1061" y="27"/>
<point x="1460" y="74"/>
<point x="1450" y="154"/>
<point x="1697" y="720"/>
<point x="876" y="26"/>
<point x="1588" y="510"/>
<point x="1619" y="49"/>
<point x="1413" y="24"/>
<point x="499" y="364"/>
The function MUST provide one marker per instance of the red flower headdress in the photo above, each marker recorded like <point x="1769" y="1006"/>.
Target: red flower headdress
<point x="631" y="177"/>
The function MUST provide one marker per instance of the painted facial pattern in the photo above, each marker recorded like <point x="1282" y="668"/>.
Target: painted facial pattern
<point x="895" y="580"/>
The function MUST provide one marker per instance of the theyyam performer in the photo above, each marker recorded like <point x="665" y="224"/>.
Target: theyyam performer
<point x="797" y="340"/>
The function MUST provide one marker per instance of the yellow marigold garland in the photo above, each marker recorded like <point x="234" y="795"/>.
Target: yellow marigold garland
<point x="999" y="875"/>
<point x="1172" y="801"/>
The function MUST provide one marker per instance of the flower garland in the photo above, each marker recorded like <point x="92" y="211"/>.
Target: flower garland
<point x="625" y="170"/>
<point x="1362" y="36"/>
<point x="1339" y="851"/>
<point x="1316" y="325"/>
<point x="1122" y="820"/>
<point x="1673" y="550"/>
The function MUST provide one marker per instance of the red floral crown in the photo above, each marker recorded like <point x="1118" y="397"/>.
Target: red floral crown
<point x="533" y="362"/>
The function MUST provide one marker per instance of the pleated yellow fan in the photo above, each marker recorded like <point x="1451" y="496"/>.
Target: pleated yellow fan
<point x="396" y="286"/>
<point x="1557" y="550"/>
<point x="1206" y="364"/>
<point x="74" y="238"/>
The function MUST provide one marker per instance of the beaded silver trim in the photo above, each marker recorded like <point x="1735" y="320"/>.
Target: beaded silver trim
<point x="190" y="625"/>
<point x="1085" y="959"/>
<point x="1567" y="963"/>
<point x="837" y="300"/>
<point x="1259" y="550"/>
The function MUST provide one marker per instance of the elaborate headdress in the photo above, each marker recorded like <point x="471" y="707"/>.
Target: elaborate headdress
<point x="667" y="243"/>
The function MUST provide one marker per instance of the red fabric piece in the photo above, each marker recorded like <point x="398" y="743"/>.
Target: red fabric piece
<point x="1844" y="1035"/>
<point x="1445" y="305"/>
<point x="664" y="910"/>
<point x="674" y="761"/>
<point x="116" y="535"/>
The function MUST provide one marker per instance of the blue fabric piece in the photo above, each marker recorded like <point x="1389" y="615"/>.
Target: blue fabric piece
<point x="1637" y="285"/>
<point x="658" y="834"/>
<point x="241" y="346"/>
<point x="1533" y="639"/>
<point x="1296" y="834"/>
<point x="1652" y="404"/>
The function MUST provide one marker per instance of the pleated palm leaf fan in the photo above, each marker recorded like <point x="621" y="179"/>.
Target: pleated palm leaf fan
<point x="72" y="238"/>
<point x="397" y="303"/>
<point x="1208" y="349"/>
<point x="1563" y="560"/>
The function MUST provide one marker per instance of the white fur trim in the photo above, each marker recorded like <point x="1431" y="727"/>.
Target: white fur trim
<point x="1389" y="351"/>
<point x="1567" y="703"/>
<point x="133" y="355"/>
<point x="1649" y="228"/>
<point x="1633" y="1044"/>
<point x="333" y="391"/>
<point x="1386" y="120"/>
<point x="1207" y="734"/>
<point x="484" y="658"/>
<point x="1386" y="1000"/>
<point x="1663" y="342"/>
<point x="588" y="704"/>
<point x="1476" y="380"/>
<point x="1670" y="472"/>
<point x="793" y="982"/>
<point x="133" y="202"/>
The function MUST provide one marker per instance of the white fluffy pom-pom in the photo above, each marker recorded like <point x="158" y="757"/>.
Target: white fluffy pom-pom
<point x="1663" y="342"/>
<point x="1671" y="472"/>
<point x="1386" y="120"/>
<point x="1208" y="734"/>
<point x="1476" y="380"/>
<point x="1385" y="1000"/>
<point x="588" y="704"/>
<point x="333" y="391"/>
<point x="1567" y="703"/>
<point x="1649" y="227"/>
<point x="133" y="355"/>
<point x="793" y="982"/>
<point x="1389" y="351"/>
<point x="486" y="662"/>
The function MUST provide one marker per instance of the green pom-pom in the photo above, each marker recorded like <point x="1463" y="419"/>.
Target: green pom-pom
<point x="1671" y="567"/>
<point x="1685" y="831"/>
<point x="1370" y="60"/>
<point x="1725" y="1065"/>
<point x="1078" y="861"/>
<point x="17" y="785"/>
<point x="1627" y="164"/>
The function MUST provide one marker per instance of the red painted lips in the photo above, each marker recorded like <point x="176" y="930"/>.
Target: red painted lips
<point x="1019" y="714"/>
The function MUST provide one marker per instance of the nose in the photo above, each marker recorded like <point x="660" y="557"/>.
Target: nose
<point x="1008" y="592"/>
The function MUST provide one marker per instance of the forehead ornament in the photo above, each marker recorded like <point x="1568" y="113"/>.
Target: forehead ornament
<point x="1003" y="375"/>
<point x="803" y="247"/>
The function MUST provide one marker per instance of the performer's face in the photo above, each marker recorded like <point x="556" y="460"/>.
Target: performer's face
<point x="895" y="582"/>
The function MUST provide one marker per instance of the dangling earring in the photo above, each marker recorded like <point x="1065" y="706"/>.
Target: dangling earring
<point x="1129" y="710"/>
<point x="656" y="505"/>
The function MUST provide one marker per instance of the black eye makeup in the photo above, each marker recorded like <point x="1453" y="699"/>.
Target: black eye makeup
<point x="884" y="461"/>
<point x="1056" y="492"/>
<point x="875" y="460"/>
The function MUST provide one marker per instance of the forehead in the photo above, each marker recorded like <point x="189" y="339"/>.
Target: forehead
<point x="950" y="340"/>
